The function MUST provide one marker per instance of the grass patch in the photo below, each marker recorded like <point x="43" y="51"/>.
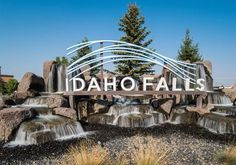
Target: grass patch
<point x="86" y="153"/>
<point x="138" y="150"/>
<point x="228" y="156"/>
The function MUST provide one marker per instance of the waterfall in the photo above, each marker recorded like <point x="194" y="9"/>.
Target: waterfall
<point x="56" y="78"/>
<point x="201" y="74"/>
<point x="218" y="123"/>
<point x="61" y="78"/>
<point x="46" y="127"/>
<point x="129" y="115"/>
<point x="219" y="98"/>
<point x="39" y="100"/>
<point x="52" y="79"/>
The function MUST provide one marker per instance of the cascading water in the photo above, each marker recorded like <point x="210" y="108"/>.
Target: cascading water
<point x="218" y="98"/>
<point x="46" y="127"/>
<point x="36" y="101"/>
<point x="52" y="79"/>
<point x="129" y="115"/>
<point x="61" y="78"/>
<point x="56" y="78"/>
<point x="201" y="74"/>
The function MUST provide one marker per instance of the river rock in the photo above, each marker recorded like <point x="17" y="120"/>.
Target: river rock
<point x="55" y="101"/>
<point x="31" y="82"/>
<point x="10" y="118"/>
<point x="67" y="112"/>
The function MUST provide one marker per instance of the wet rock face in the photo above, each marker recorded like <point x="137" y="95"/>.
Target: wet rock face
<point x="139" y="115"/>
<point x="47" y="66"/>
<point x="45" y="136"/>
<point x="31" y="82"/>
<point x="53" y="101"/>
<point x="10" y="118"/>
<point x="66" y="112"/>
<point x="181" y="116"/>
<point x="101" y="119"/>
<point x="218" y="123"/>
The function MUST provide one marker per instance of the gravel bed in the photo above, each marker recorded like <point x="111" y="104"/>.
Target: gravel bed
<point x="190" y="144"/>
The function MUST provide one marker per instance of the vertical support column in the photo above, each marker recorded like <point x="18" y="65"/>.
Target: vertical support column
<point x="73" y="106"/>
<point x="199" y="101"/>
<point x="102" y="86"/>
<point x="72" y="101"/>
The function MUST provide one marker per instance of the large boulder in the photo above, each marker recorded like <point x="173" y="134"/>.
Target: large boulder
<point x="55" y="101"/>
<point x="20" y="97"/>
<point x="66" y="112"/>
<point x="11" y="118"/>
<point x="47" y="66"/>
<point x="31" y="82"/>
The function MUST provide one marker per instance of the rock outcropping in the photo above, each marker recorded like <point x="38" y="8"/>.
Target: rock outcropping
<point x="66" y="112"/>
<point x="31" y="82"/>
<point x="10" y="118"/>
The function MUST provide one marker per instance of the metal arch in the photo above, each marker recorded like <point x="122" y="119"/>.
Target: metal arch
<point x="138" y="59"/>
<point x="120" y="56"/>
<point x="141" y="54"/>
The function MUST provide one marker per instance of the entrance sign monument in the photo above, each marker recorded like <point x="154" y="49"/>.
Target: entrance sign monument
<point x="75" y="84"/>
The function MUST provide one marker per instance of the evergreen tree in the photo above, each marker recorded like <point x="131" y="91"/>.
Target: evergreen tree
<point x="132" y="24"/>
<point x="62" y="60"/>
<point x="188" y="50"/>
<point x="80" y="53"/>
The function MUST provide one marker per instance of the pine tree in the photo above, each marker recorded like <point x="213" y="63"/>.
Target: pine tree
<point x="188" y="50"/>
<point x="62" y="60"/>
<point x="82" y="52"/>
<point x="132" y="25"/>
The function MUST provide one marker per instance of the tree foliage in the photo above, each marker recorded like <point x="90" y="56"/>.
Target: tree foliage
<point x="189" y="50"/>
<point x="62" y="60"/>
<point x="79" y="53"/>
<point x="132" y="24"/>
<point x="9" y="87"/>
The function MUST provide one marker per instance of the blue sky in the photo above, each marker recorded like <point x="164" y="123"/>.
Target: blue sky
<point x="32" y="31"/>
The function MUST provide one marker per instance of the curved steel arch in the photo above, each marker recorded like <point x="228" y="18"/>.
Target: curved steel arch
<point x="179" y="68"/>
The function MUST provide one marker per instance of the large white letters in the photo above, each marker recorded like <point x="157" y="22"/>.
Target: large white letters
<point x="132" y="84"/>
<point x="162" y="84"/>
<point x="94" y="84"/>
<point x="145" y="83"/>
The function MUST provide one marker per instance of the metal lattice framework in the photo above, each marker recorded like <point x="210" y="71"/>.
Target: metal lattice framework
<point x="127" y="51"/>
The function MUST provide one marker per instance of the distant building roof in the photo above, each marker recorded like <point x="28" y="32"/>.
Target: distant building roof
<point x="5" y="78"/>
<point x="6" y="75"/>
